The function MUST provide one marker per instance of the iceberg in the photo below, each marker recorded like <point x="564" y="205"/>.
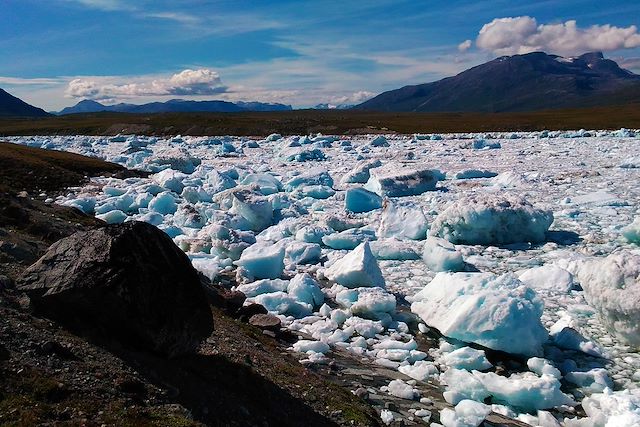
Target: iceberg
<point x="395" y="181"/>
<point x="612" y="287"/>
<point x="492" y="220"/>
<point x="498" y="312"/>
<point x="358" y="268"/>
<point x="402" y="221"/>
<point x="359" y="200"/>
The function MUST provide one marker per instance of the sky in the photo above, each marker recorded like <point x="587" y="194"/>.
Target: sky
<point x="298" y="52"/>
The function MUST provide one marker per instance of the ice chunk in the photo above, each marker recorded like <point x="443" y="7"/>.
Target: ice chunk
<point x="467" y="413"/>
<point x="474" y="174"/>
<point x="358" y="268"/>
<point x="612" y="287"/>
<point x="305" y="289"/>
<point x="395" y="181"/>
<point x="267" y="183"/>
<point x="542" y="366"/>
<point x="393" y="249"/>
<point x="399" y="388"/>
<point x="314" y="176"/>
<point x="368" y="303"/>
<point x="498" y="312"/>
<point x="359" y="200"/>
<point x="403" y="221"/>
<point x="113" y="217"/>
<point x="283" y="303"/>
<point x="386" y="416"/>
<point x="252" y="206"/>
<point x="595" y="380"/>
<point x="632" y="232"/>
<point x="492" y="220"/>
<point x="360" y="174"/>
<point x="422" y="370"/>
<point x="482" y="144"/>
<point x="549" y="277"/>
<point x="612" y="409"/>
<point x="440" y="255"/>
<point x="306" y="346"/>
<point x="164" y="203"/>
<point x="85" y="204"/>
<point x="564" y="335"/>
<point x="170" y="179"/>
<point x="524" y="392"/>
<point x="467" y="358"/>
<point x="264" y="286"/>
<point x="175" y="158"/>
<point x="315" y="191"/>
<point x="600" y="198"/>
<point x="348" y="239"/>
<point x="263" y="260"/>
<point x="303" y="253"/>
<point x="379" y="141"/>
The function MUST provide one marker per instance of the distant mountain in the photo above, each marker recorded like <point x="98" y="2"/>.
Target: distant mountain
<point x="173" y="106"/>
<point x="333" y="106"/>
<point x="534" y="81"/>
<point x="10" y="106"/>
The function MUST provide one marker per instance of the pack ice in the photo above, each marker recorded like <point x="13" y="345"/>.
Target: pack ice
<point x="526" y="232"/>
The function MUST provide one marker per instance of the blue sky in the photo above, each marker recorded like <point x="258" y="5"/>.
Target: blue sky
<point x="56" y="52"/>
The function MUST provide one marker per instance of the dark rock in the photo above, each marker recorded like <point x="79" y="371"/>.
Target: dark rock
<point x="226" y="299"/>
<point x="4" y="353"/>
<point x="265" y="321"/>
<point x="497" y="420"/>
<point x="5" y="283"/>
<point x="53" y="348"/>
<point x="245" y="312"/>
<point x="127" y="283"/>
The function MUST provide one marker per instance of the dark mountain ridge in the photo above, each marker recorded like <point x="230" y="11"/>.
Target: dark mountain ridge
<point x="173" y="106"/>
<point x="10" y="106"/>
<point x="533" y="81"/>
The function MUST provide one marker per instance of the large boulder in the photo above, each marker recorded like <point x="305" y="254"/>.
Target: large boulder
<point x="127" y="283"/>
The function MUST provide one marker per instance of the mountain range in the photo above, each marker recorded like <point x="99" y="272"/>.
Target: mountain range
<point x="529" y="82"/>
<point x="10" y="106"/>
<point x="533" y="81"/>
<point x="173" y="106"/>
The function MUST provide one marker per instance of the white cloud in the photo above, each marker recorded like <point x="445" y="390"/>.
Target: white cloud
<point x="186" y="83"/>
<point x="522" y="34"/>
<point x="352" y="99"/>
<point x="464" y="46"/>
<point x="38" y="81"/>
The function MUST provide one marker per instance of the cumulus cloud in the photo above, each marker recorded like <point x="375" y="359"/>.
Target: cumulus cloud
<point x="464" y="46"/>
<point x="354" y="98"/>
<point x="523" y="34"/>
<point x="186" y="83"/>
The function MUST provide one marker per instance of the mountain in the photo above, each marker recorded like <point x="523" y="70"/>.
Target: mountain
<point x="10" y="106"/>
<point x="332" y="106"/>
<point x="173" y="106"/>
<point x="533" y="81"/>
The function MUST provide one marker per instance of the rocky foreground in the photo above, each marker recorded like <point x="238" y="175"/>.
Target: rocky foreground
<point x="113" y="326"/>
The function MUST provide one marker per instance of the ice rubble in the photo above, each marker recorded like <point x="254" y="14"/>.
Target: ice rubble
<point x="492" y="220"/>
<point x="612" y="287"/>
<point x="280" y="202"/>
<point x="498" y="312"/>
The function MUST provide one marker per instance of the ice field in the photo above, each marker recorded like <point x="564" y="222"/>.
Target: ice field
<point x="523" y="245"/>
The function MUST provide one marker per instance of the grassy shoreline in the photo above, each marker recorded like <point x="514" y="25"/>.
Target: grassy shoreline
<point x="324" y="121"/>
